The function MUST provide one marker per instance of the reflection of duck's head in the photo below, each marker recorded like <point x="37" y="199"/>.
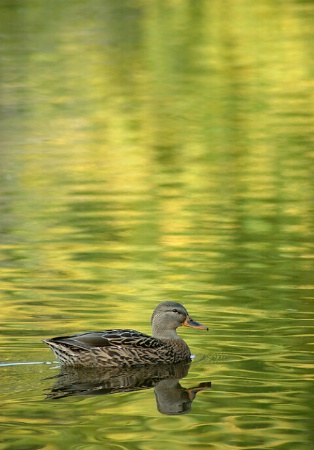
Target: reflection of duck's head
<point x="172" y="399"/>
<point x="168" y="316"/>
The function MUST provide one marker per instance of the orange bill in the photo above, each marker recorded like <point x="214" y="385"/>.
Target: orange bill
<point x="191" y="323"/>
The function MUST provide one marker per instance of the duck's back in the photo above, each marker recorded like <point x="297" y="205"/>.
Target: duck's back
<point x="117" y="348"/>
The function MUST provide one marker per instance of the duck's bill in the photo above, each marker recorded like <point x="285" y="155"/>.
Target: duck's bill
<point x="192" y="324"/>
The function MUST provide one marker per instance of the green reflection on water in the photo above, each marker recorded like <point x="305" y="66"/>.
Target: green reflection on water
<point x="154" y="151"/>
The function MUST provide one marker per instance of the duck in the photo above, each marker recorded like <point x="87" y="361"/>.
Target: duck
<point x="129" y="348"/>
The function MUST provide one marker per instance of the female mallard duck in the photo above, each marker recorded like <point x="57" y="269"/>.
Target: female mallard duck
<point x="117" y="348"/>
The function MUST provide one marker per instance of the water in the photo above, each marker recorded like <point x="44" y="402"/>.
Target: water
<point x="153" y="152"/>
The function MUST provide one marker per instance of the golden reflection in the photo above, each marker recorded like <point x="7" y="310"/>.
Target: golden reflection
<point x="154" y="150"/>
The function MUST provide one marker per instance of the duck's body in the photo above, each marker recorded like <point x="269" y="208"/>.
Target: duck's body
<point x="118" y="348"/>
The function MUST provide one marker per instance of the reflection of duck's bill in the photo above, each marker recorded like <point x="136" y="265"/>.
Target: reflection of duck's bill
<point x="192" y="324"/>
<point x="201" y="387"/>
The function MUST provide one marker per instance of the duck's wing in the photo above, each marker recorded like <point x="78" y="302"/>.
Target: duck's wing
<point x="109" y="338"/>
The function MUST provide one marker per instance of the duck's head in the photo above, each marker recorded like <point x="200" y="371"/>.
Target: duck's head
<point x="168" y="316"/>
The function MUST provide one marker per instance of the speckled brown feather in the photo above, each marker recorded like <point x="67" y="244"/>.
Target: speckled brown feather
<point x="119" y="348"/>
<point x="126" y="348"/>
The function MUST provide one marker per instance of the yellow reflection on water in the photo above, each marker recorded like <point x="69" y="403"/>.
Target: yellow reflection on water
<point x="154" y="151"/>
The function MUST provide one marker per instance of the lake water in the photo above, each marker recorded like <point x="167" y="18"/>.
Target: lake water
<point x="153" y="151"/>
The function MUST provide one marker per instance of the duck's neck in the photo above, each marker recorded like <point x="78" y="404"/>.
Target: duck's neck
<point x="164" y="334"/>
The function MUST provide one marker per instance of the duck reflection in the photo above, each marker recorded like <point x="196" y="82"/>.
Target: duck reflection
<point x="171" y="397"/>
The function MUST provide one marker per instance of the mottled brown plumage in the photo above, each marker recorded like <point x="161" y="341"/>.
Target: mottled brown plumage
<point x="126" y="348"/>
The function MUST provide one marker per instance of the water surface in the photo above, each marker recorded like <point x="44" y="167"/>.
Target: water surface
<point x="150" y="152"/>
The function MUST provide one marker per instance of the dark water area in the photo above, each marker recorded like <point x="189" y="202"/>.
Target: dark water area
<point x="154" y="151"/>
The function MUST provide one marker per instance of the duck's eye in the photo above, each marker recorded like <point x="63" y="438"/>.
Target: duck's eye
<point x="175" y="310"/>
